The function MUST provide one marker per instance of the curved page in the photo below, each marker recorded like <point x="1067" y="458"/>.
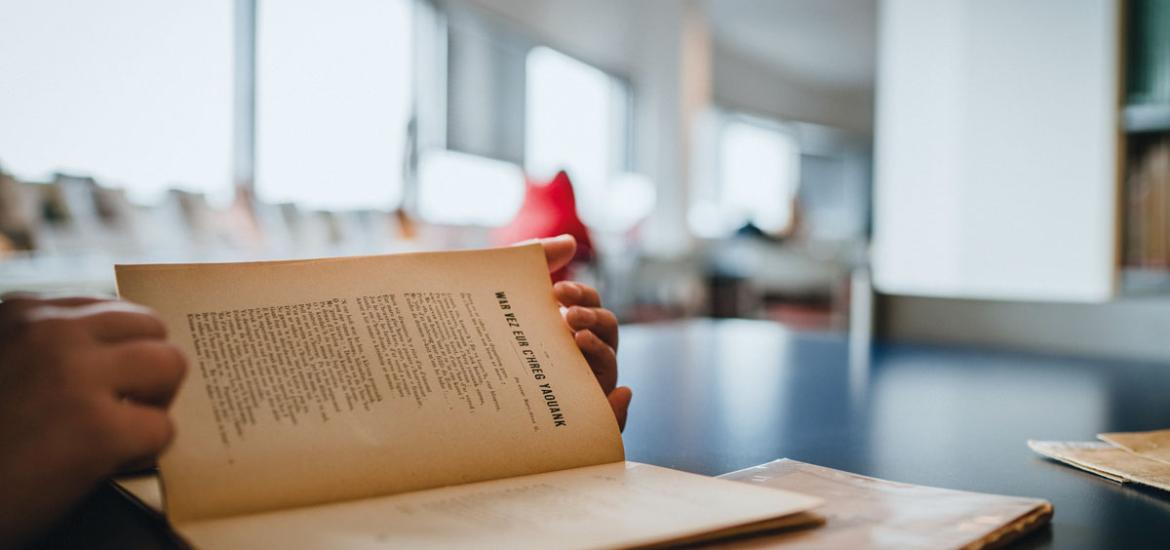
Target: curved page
<point x="617" y="505"/>
<point x="326" y="380"/>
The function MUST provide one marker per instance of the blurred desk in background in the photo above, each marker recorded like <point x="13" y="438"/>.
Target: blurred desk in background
<point x="715" y="396"/>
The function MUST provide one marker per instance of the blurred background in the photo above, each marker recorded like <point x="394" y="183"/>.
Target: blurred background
<point x="982" y="172"/>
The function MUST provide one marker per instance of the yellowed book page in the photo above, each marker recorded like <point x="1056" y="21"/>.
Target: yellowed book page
<point x="869" y="513"/>
<point x="609" y="506"/>
<point x="1105" y="460"/>
<point x="1154" y="445"/>
<point x="326" y="380"/>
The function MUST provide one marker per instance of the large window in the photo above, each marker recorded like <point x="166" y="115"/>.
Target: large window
<point x="136" y="93"/>
<point x="577" y="121"/>
<point x="758" y="171"/>
<point x="333" y="85"/>
<point x="753" y="179"/>
<point x="142" y="95"/>
<point x="464" y="189"/>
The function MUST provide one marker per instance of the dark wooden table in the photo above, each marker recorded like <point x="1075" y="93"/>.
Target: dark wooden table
<point x="715" y="396"/>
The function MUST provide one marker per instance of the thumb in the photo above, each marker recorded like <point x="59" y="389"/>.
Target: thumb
<point x="619" y="400"/>
<point x="559" y="251"/>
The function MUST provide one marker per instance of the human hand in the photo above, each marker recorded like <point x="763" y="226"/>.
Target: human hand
<point x="84" y="386"/>
<point x="595" y="328"/>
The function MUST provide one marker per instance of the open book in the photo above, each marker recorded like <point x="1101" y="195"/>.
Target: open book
<point x="414" y="400"/>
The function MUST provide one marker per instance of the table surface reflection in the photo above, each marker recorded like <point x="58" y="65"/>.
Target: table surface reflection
<point x="716" y="396"/>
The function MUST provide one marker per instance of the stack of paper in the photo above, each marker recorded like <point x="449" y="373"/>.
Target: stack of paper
<point x="1131" y="457"/>
<point x="866" y="513"/>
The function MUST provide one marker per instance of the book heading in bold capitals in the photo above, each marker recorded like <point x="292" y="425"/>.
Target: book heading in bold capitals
<point x="533" y="362"/>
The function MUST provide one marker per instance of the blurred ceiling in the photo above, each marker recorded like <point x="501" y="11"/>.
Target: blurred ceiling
<point x="827" y="44"/>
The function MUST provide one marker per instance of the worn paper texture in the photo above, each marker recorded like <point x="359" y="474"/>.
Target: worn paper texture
<point x="1155" y="444"/>
<point x="607" y="506"/>
<point x="864" y="512"/>
<point x="329" y="380"/>
<point x="1108" y="461"/>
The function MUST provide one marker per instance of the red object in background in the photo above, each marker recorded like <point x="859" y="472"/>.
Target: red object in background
<point x="549" y="210"/>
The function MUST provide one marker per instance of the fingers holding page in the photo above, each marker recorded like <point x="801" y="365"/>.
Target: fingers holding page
<point x="558" y="251"/>
<point x="619" y="401"/>
<point x="601" y="358"/>
<point x="148" y="372"/>
<point x="138" y="432"/>
<point x="595" y="330"/>
<point x="116" y="321"/>
<point x="600" y="321"/>
<point x="570" y="293"/>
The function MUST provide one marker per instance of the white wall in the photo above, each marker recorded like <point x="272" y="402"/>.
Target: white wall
<point x="996" y="149"/>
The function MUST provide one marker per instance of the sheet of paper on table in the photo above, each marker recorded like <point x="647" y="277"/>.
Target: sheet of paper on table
<point x="1133" y="457"/>
<point x="1153" y="445"/>
<point x="864" y="512"/>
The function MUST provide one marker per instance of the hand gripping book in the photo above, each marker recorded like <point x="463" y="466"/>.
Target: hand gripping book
<point x="423" y="400"/>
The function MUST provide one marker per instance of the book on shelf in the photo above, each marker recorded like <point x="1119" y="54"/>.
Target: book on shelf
<point x="1148" y="52"/>
<point x="415" y="400"/>
<point x="1147" y="205"/>
<point x="1146" y="200"/>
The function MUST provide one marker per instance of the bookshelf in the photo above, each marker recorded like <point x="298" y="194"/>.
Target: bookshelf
<point x="1145" y="185"/>
<point x="1147" y="118"/>
<point x="1141" y="281"/>
<point x="1006" y="147"/>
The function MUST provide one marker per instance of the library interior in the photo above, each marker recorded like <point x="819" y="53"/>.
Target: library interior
<point x="896" y="271"/>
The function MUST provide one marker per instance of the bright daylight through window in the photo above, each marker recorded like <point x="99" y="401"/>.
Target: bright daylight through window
<point x="333" y="101"/>
<point x="137" y="94"/>
<point x="576" y="121"/>
<point x="755" y="178"/>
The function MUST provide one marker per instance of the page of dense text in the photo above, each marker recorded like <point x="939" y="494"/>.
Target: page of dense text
<point x="326" y="380"/>
<point x="608" y="506"/>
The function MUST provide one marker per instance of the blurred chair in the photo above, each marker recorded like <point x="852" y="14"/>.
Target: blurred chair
<point x="549" y="209"/>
